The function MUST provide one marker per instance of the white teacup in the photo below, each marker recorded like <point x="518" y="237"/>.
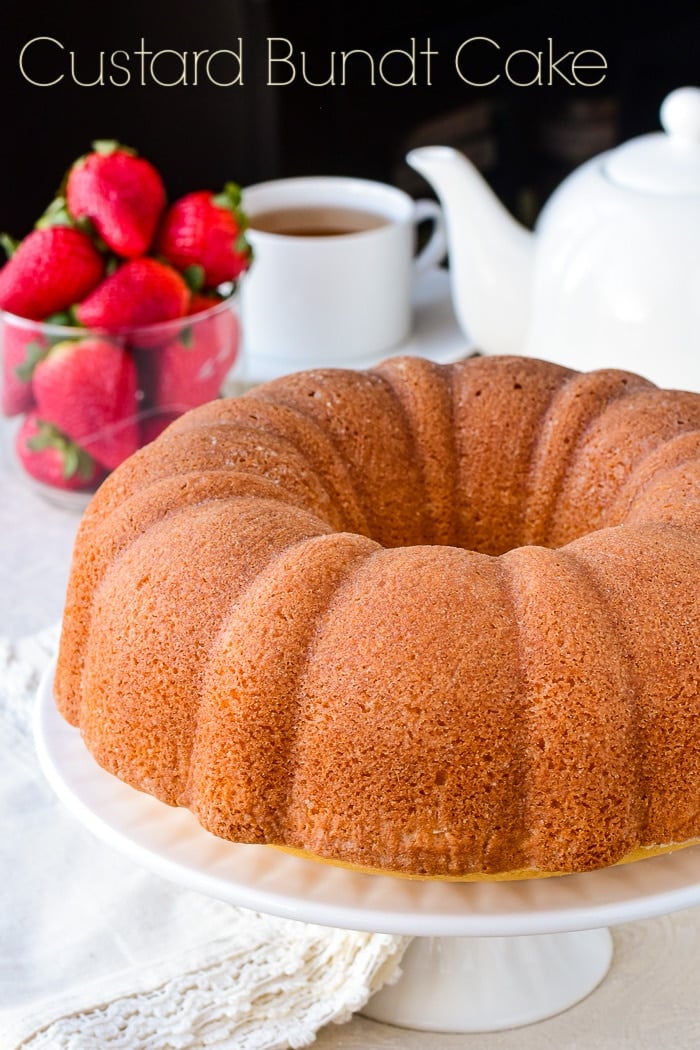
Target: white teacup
<point x="333" y="270"/>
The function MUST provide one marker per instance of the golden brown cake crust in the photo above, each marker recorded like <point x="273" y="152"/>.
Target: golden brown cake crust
<point x="435" y="620"/>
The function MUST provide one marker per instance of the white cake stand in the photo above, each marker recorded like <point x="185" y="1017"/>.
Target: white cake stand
<point x="485" y="956"/>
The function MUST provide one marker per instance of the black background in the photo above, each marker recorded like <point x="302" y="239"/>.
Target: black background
<point x="200" y="136"/>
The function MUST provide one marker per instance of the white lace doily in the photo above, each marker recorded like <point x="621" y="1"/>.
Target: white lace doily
<point x="109" y="957"/>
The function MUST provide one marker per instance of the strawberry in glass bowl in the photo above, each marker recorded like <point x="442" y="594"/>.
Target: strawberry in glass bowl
<point x="118" y="312"/>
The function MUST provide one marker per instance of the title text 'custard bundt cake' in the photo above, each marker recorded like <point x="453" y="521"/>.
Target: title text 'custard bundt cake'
<point x="432" y="620"/>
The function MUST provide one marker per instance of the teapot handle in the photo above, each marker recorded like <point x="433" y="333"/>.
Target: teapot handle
<point x="435" y="250"/>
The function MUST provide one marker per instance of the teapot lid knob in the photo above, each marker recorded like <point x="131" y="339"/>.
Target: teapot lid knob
<point x="665" y="163"/>
<point x="680" y="114"/>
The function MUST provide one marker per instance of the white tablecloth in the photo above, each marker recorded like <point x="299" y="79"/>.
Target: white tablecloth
<point x="52" y="871"/>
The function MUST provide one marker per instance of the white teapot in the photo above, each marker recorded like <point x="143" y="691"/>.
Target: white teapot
<point x="610" y="276"/>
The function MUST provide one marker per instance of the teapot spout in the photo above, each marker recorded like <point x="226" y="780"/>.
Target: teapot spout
<point x="491" y="255"/>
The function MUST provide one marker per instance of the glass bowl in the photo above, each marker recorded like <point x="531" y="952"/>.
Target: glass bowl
<point x="80" y="401"/>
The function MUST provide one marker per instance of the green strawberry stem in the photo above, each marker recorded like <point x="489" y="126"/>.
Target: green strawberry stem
<point x="56" y="214"/>
<point x="75" y="459"/>
<point x="186" y="337"/>
<point x="231" y="197"/>
<point x="194" y="277"/>
<point x="64" y="318"/>
<point x="10" y="244"/>
<point x="242" y="245"/>
<point x="107" y="146"/>
<point x="34" y="353"/>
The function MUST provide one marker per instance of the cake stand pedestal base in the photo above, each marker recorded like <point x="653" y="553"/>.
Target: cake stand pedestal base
<point x="486" y="984"/>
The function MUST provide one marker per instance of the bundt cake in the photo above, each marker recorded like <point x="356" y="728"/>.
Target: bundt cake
<point x="431" y="620"/>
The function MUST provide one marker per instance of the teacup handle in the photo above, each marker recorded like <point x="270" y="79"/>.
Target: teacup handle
<point x="435" y="250"/>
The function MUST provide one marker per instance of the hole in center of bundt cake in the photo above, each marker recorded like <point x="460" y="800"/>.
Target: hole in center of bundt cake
<point x="490" y="514"/>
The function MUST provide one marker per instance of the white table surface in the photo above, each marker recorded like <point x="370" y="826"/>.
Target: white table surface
<point x="649" y="999"/>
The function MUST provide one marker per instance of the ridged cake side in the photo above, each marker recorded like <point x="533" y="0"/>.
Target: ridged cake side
<point x="432" y="620"/>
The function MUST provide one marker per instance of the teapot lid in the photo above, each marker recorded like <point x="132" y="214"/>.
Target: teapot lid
<point x="665" y="162"/>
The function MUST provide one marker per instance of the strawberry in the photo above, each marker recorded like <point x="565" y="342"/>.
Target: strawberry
<point x="153" y="425"/>
<point x="206" y="231"/>
<point x="190" y="370"/>
<point x="51" y="269"/>
<point x="140" y="292"/>
<point x="50" y="457"/>
<point x="87" y="388"/>
<point x="121" y="194"/>
<point x="22" y="349"/>
<point x="201" y="301"/>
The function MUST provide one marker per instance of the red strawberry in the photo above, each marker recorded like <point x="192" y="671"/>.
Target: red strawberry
<point x="121" y="193"/>
<point x="140" y="292"/>
<point x="87" y="388"/>
<point x="201" y="301"/>
<point x="190" y="370"/>
<point x="22" y="349"/>
<point x="207" y="231"/>
<point x="152" y="426"/>
<point x="51" y="269"/>
<point x="49" y="456"/>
